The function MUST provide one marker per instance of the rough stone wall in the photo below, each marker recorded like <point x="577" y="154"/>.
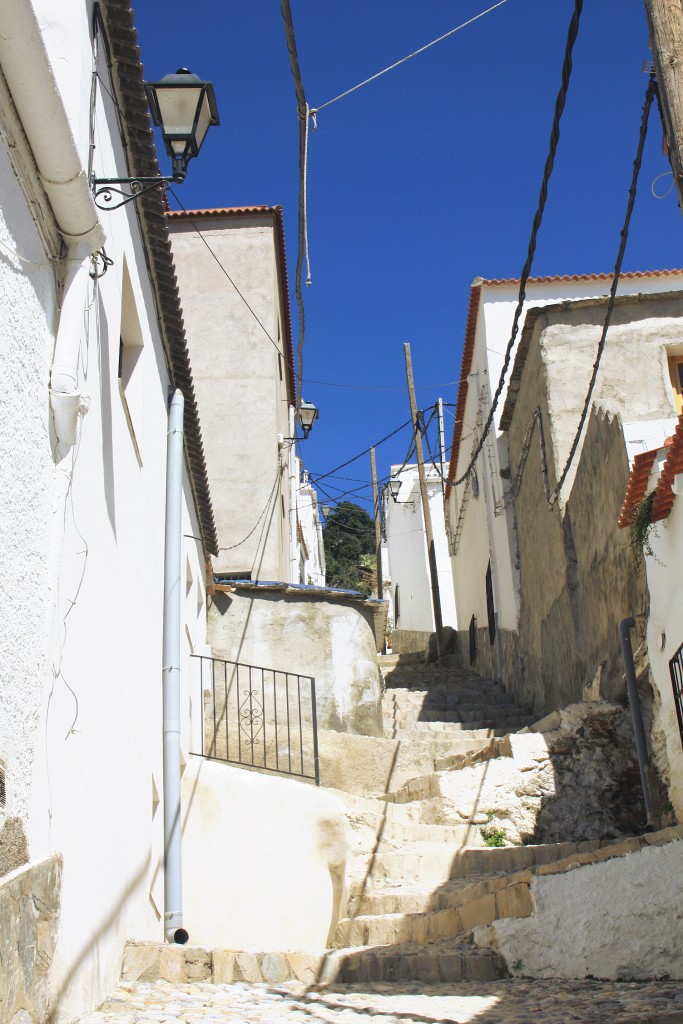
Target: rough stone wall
<point x="610" y="587"/>
<point x="409" y="641"/>
<point x="29" y="910"/>
<point x="578" y="579"/>
<point x="331" y="640"/>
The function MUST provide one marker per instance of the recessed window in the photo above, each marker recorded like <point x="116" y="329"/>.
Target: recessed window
<point x="676" y="376"/>
<point x="3" y="788"/>
<point x="131" y="363"/>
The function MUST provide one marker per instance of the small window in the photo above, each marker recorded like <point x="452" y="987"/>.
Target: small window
<point x="676" y="376"/>
<point x="131" y="363"/>
<point x="397" y="605"/>
<point x="3" y="787"/>
<point x="231" y="577"/>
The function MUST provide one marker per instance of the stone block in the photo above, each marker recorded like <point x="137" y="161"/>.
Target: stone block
<point x="198" y="965"/>
<point x="141" y="961"/>
<point x="427" y="967"/>
<point x="481" y="967"/>
<point x="451" y="967"/>
<point x="223" y="966"/>
<point x="306" y="967"/>
<point x="172" y="966"/>
<point x="275" y="968"/>
<point x="478" y="912"/>
<point x="515" y="901"/>
<point x="247" y="967"/>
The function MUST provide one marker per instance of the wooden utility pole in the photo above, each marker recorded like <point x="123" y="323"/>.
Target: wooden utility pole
<point x="431" y="553"/>
<point x="442" y="443"/>
<point x="665" y="19"/>
<point x="378" y="527"/>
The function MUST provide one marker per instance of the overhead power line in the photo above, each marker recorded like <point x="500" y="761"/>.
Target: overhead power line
<point x="538" y="217"/>
<point x="317" y="479"/>
<point x="396" y="64"/>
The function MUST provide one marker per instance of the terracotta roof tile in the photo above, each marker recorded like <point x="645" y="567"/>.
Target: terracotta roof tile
<point x="637" y="485"/>
<point x="664" y="496"/>
<point x="628" y="275"/>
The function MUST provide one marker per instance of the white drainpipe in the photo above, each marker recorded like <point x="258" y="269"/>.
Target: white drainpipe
<point x="293" y="532"/>
<point x="170" y="673"/>
<point x="28" y="71"/>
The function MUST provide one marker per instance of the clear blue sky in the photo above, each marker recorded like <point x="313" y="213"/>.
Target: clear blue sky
<point x="421" y="181"/>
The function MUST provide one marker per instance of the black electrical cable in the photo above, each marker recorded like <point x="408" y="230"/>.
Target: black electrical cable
<point x="538" y="217"/>
<point x="649" y="96"/>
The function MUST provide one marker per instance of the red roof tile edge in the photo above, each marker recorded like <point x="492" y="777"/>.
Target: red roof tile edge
<point x="664" y="496"/>
<point x="637" y="486"/>
<point x="467" y="353"/>
<point x="629" y="275"/>
<point x="236" y="211"/>
<point x="640" y="474"/>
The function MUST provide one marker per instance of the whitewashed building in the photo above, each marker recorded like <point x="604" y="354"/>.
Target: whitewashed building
<point x="93" y="347"/>
<point x="478" y="516"/>
<point x="310" y="534"/>
<point x="232" y="274"/>
<point x="659" y="474"/>
<point x="408" y="560"/>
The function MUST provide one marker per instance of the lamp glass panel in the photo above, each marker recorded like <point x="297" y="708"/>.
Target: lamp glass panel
<point x="178" y="107"/>
<point x="203" y="121"/>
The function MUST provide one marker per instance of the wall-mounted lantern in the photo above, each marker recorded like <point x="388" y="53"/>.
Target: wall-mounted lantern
<point x="184" y="107"/>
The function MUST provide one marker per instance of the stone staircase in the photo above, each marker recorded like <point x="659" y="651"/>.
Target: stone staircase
<point x="421" y="876"/>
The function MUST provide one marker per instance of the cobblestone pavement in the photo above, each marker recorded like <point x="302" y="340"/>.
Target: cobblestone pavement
<point x="500" y="1002"/>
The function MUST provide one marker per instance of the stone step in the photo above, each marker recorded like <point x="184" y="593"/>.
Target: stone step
<point x="461" y="713"/>
<point x="428" y="863"/>
<point x="468" y="730"/>
<point x="467" y="716"/>
<point x="464" y="907"/>
<point x="440" y="962"/>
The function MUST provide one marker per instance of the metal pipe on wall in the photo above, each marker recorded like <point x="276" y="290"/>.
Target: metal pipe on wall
<point x="170" y="674"/>
<point x="625" y="627"/>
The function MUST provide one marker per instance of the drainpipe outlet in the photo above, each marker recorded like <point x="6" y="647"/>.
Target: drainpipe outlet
<point x="174" y="934"/>
<point x="66" y="408"/>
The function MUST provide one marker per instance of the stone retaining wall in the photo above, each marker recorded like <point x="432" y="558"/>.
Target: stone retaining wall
<point x="29" y="912"/>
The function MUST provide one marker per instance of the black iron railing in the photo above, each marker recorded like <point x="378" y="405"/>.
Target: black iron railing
<point x="258" y="717"/>
<point x="676" y="671"/>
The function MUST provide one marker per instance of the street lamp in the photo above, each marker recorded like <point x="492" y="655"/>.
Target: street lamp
<point x="307" y="415"/>
<point x="184" y="107"/>
<point x="394" y="487"/>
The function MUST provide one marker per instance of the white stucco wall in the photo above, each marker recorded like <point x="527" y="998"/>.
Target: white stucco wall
<point x="407" y="552"/>
<point x="28" y="316"/>
<point x="81" y="552"/>
<point x="240" y="372"/>
<point x="264" y="860"/>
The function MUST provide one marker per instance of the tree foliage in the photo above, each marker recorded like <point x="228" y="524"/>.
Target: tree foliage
<point x="349" y="537"/>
